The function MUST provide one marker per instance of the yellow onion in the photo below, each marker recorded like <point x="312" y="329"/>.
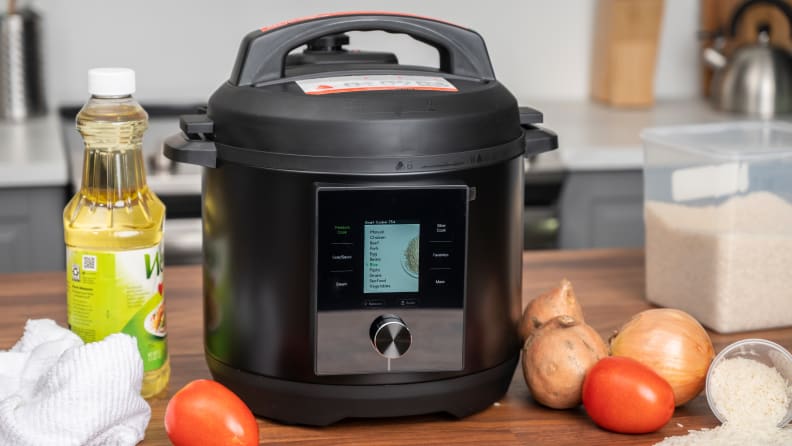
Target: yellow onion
<point x="673" y="344"/>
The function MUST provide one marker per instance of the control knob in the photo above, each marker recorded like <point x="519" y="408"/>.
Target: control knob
<point x="390" y="336"/>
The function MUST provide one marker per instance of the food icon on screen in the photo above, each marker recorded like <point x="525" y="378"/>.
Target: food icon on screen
<point x="410" y="260"/>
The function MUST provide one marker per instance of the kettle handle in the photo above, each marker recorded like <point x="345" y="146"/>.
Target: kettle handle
<point x="262" y="53"/>
<point x="780" y="4"/>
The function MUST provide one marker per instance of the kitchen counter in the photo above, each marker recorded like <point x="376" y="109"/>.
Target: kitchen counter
<point x="609" y="284"/>
<point x="32" y="153"/>
<point x="596" y="137"/>
<point x="599" y="163"/>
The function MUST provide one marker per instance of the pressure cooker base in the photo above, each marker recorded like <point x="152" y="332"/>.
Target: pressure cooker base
<point x="321" y="404"/>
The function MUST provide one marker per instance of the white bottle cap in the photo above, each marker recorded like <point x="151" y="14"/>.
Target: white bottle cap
<point x="111" y="81"/>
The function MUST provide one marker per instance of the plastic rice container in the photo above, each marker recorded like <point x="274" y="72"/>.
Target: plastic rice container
<point x="718" y="216"/>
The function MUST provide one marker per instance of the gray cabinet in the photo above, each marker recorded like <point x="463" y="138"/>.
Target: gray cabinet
<point x="600" y="209"/>
<point x="31" y="229"/>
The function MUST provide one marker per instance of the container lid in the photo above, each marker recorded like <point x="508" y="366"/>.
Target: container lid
<point x="111" y="81"/>
<point x="754" y="140"/>
<point x="366" y="117"/>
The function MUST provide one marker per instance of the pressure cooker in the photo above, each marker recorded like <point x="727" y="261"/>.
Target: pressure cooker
<point x="362" y="224"/>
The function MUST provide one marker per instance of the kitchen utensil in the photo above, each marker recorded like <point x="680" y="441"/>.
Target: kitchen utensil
<point x="21" y="77"/>
<point x="625" y="50"/>
<point x="714" y="20"/>
<point x="317" y="177"/>
<point x="757" y="78"/>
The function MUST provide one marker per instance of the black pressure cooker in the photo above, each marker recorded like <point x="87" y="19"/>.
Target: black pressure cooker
<point x="362" y="223"/>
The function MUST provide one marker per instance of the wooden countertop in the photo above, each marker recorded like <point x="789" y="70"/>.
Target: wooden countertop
<point x="609" y="285"/>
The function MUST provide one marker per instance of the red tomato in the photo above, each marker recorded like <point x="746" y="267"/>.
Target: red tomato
<point x="622" y="395"/>
<point x="205" y="412"/>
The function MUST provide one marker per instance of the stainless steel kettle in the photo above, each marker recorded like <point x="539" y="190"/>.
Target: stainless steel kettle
<point x="757" y="79"/>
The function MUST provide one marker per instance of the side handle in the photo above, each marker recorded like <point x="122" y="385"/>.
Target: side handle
<point x="184" y="150"/>
<point x="195" y="144"/>
<point x="539" y="140"/>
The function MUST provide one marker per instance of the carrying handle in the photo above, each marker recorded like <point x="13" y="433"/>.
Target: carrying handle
<point x="780" y="4"/>
<point x="263" y="52"/>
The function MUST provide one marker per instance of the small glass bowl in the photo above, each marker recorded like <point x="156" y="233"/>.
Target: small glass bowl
<point x="761" y="350"/>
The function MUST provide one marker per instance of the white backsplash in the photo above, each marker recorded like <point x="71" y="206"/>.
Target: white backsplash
<point x="183" y="49"/>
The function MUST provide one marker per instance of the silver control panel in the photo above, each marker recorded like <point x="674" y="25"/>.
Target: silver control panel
<point x="389" y="278"/>
<point x="345" y="345"/>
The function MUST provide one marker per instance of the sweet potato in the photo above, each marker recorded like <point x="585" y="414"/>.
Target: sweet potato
<point x="556" y="357"/>
<point x="557" y="302"/>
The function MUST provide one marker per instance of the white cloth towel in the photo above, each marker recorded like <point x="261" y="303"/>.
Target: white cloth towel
<point x="56" y="390"/>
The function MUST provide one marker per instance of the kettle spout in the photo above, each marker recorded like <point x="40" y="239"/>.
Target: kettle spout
<point x="714" y="58"/>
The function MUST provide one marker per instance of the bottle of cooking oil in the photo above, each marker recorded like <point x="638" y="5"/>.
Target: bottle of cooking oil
<point x="113" y="229"/>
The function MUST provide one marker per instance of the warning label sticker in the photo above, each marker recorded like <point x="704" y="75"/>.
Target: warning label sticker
<point x="348" y="84"/>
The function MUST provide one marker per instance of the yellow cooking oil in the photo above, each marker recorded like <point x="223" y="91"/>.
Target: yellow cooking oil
<point x="113" y="230"/>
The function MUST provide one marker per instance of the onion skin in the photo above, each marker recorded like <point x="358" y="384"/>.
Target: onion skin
<point x="556" y="358"/>
<point x="673" y="344"/>
<point x="557" y="302"/>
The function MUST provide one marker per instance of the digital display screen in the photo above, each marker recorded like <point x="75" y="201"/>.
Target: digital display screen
<point x="390" y="256"/>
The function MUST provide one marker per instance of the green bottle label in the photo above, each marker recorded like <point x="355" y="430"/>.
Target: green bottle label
<point x="118" y="291"/>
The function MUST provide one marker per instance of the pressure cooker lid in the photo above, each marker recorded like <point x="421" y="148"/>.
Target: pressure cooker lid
<point x="361" y="116"/>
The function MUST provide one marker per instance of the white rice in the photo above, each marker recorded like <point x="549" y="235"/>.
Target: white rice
<point x="726" y="265"/>
<point x="753" y="398"/>
<point x="748" y="393"/>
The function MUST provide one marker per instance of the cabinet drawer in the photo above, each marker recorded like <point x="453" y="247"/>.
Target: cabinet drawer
<point x="14" y="237"/>
<point x="31" y="229"/>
